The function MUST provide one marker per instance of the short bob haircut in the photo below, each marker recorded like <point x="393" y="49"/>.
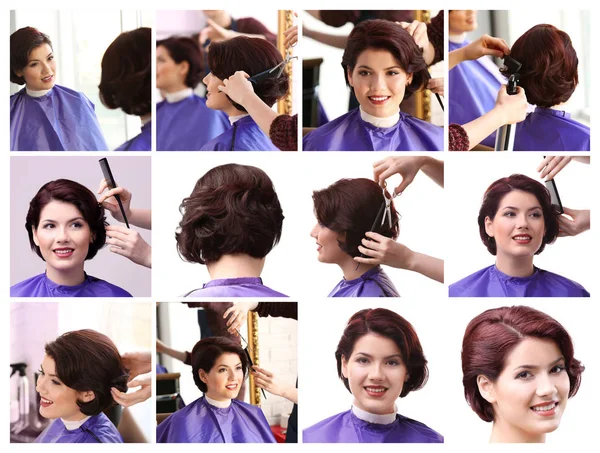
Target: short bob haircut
<point x="22" y="42"/>
<point x="67" y="191"/>
<point x="388" y="324"/>
<point x="349" y="207"/>
<point x="126" y="80"/>
<point x="549" y="71"/>
<point x="88" y="360"/>
<point x="207" y="351"/>
<point x="185" y="49"/>
<point x="382" y="34"/>
<point x="253" y="55"/>
<point x="491" y="336"/>
<point x="496" y="192"/>
<point x="233" y="209"/>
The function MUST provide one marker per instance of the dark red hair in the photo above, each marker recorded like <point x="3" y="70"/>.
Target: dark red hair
<point x="496" y="192"/>
<point x="207" y="351"/>
<point x="22" y="42"/>
<point x="349" y="207"/>
<point x="549" y="71"/>
<point x="252" y="55"/>
<point x="491" y="336"/>
<point x="388" y="324"/>
<point x="386" y="35"/>
<point x="185" y="49"/>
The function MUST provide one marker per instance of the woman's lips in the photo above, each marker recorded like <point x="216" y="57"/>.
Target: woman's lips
<point x="522" y="239"/>
<point x="545" y="409"/>
<point x="63" y="253"/>
<point x="375" y="391"/>
<point x="45" y="403"/>
<point x="48" y="79"/>
<point x="378" y="100"/>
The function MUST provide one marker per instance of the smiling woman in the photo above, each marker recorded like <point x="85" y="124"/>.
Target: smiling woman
<point x="379" y="358"/>
<point x="219" y="367"/>
<point x="66" y="227"/>
<point x="45" y="116"/>
<point x="516" y="221"/>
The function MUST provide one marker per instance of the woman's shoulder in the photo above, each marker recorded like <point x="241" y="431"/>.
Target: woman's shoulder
<point x="22" y="289"/>
<point x="103" y="429"/>
<point x="420" y="432"/>
<point x="106" y="289"/>
<point x="313" y="431"/>
<point x="420" y="124"/>
<point x="562" y="286"/>
<point x="466" y="287"/>
<point x="311" y="140"/>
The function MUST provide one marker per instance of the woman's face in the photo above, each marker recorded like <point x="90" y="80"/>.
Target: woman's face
<point x="376" y="373"/>
<point x="58" y="400"/>
<point x="170" y="76"/>
<point x="40" y="72"/>
<point x="328" y="248"/>
<point x="215" y="99"/>
<point x="462" y="20"/>
<point x="530" y="395"/>
<point x="63" y="236"/>
<point x="225" y="378"/>
<point x="379" y="82"/>
<point x="518" y="226"/>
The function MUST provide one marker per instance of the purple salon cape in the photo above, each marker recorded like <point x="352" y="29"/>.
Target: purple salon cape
<point x="473" y="86"/>
<point x="96" y="429"/>
<point x="348" y="428"/>
<point x="551" y="130"/>
<point x="373" y="283"/>
<point x="235" y="287"/>
<point x="141" y="142"/>
<point x="200" y="422"/>
<point x="187" y="125"/>
<point x="42" y="286"/>
<point x="244" y="135"/>
<point x="61" y="120"/>
<point x="350" y="132"/>
<point x="490" y="282"/>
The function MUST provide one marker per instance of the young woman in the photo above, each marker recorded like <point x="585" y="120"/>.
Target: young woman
<point x="379" y="358"/>
<point x="45" y="116"/>
<point x="231" y="221"/>
<point x="219" y="366"/>
<point x="516" y="221"/>
<point x="382" y="65"/>
<point x="254" y="56"/>
<point x="76" y="377"/>
<point x="345" y="211"/>
<point x="126" y="82"/>
<point x="184" y="122"/>
<point x="519" y="370"/>
<point x="66" y="227"/>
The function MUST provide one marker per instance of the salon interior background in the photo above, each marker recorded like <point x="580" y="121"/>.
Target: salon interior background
<point x="79" y="39"/>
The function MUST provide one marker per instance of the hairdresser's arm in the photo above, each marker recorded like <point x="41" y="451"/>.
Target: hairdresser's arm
<point x="579" y="224"/>
<point x="161" y="347"/>
<point x="486" y="45"/>
<point x="338" y="41"/>
<point x="138" y="217"/>
<point x="408" y="167"/>
<point x="130" y="244"/>
<point x="379" y="249"/>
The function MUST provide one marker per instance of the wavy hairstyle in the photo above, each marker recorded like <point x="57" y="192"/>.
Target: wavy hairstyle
<point x="207" y="351"/>
<point x="385" y="35"/>
<point x="88" y="360"/>
<point x="232" y="209"/>
<point x="22" y="42"/>
<point x="349" y="207"/>
<point x="491" y="336"/>
<point x="125" y="82"/>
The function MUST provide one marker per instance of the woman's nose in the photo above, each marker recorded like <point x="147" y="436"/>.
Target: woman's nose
<point x="314" y="232"/>
<point x="546" y="386"/>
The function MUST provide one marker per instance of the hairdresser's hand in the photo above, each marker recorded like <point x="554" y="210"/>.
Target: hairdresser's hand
<point x="239" y="313"/>
<point x="407" y="167"/>
<point x="418" y="30"/>
<point x="214" y="32"/>
<point x="291" y="37"/>
<point x="579" y="224"/>
<point x="130" y="244"/>
<point x="109" y="202"/>
<point x="266" y="380"/>
<point x="552" y="165"/>
<point x="237" y="87"/>
<point x="513" y="107"/>
<point x="129" y="399"/>
<point x="382" y="250"/>
<point x="137" y="363"/>
<point x="436" y="85"/>
<point x="486" y="45"/>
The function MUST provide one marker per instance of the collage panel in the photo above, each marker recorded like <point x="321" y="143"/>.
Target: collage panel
<point x="86" y="361"/>
<point x="87" y="80"/>
<point x="227" y="373"/>
<point x="223" y="76"/>
<point x="382" y="99"/>
<point x="542" y="59"/>
<point x="64" y="243"/>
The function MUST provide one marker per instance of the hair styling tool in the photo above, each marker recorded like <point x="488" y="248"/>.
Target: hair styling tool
<point x="111" y="183"/>
<point x="505" y="136"/>
<point x="274" y="72"/>
<point x="440" y="101"/>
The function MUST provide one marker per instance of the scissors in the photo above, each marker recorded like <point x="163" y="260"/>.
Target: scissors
<point x="274" y="72"/>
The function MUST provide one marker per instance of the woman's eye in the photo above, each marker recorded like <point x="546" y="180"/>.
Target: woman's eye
<point x="51" y="57"/>
<point x="536" y="215"/>
<point x="362" y="360"/>
<point x="523" y="375"/>
<point x="363" y="73"/>
<point x="48" y="226"/>
<point x="557" y="369"/>
<point x="77" y="224"/>
<point x="55" y="382"/>
<point x="393" y="362"/>
<point x="33" y="65"/>
<point x="393" y="73"/>
<point x="509" y="214"/>
<point x="41" y="372"/>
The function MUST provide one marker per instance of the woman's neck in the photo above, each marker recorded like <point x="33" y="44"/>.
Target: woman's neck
<point x="145" y="119"/>
<point x="216" y="401"/>
<point x="352" y="269"/>
<point x="232" y="111"/>
<point x="515" y="266"/>
<point x="457" y="37"/>
<point x="70" y="277"/>
<point x="235" y="266"/>
<point x="502" y="433"/>
<point x="178" y="93"/>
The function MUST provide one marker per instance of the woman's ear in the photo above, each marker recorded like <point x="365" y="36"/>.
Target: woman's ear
<point x="489" y="227"/>
<point x="344" y="367"/>
<point x="202" y="375"/>
<point x="486" y="388"/>
<point x="35" y="238"/>
<point x="350" y="81"/>
<point x="184" y="68"/>
<point x="86" y="396"/>
<point x="409" y="79"/>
